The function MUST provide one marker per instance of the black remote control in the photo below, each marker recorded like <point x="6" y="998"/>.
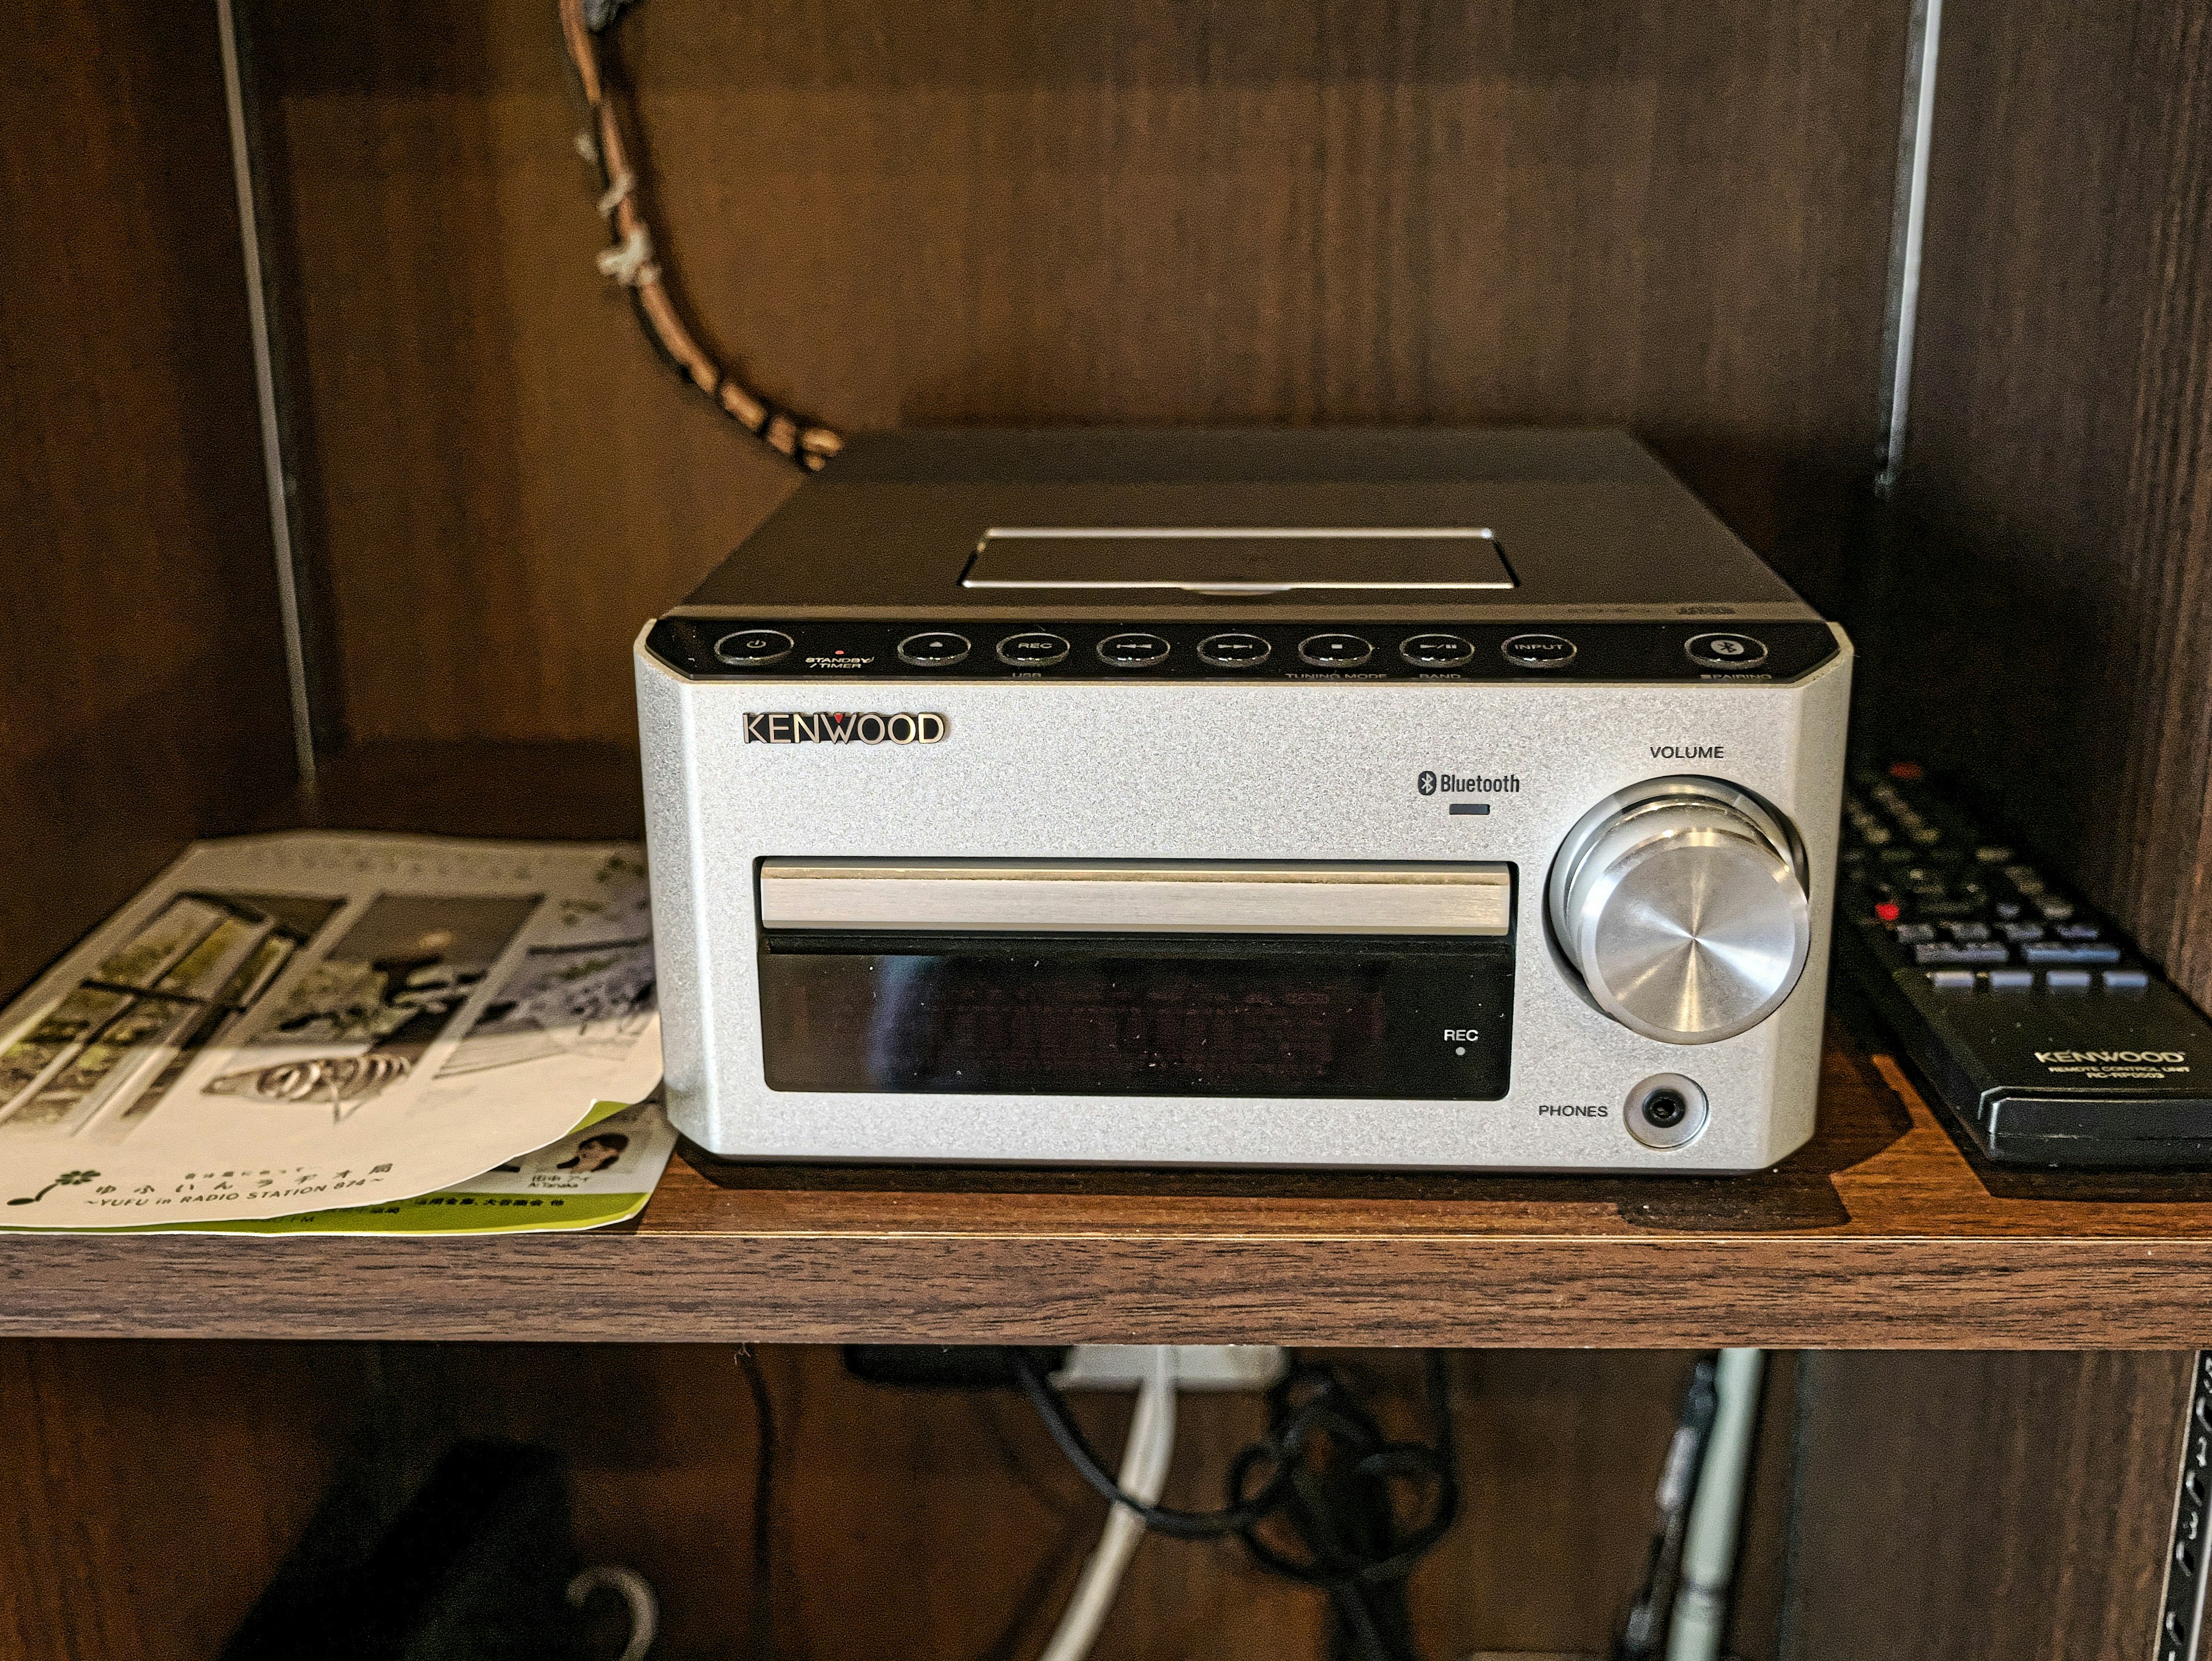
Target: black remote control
<point x="2038" y="1022"/>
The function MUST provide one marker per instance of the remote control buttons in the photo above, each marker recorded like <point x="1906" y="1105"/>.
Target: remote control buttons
<point x="1132" y="651"/>
<point x="939" y="649"/>
<point x="1435" y="651"/>
<point x="1235" y="650"/>
<point x="1538" y="651"/>
<point x="1032" y="649"/>
<point x="753" y="648"/>
<point x="1725" y="651"/>
<point x="1334" y="651"/>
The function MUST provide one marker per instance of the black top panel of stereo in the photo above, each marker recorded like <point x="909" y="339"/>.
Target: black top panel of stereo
<point x="1329" y="524"/>
<point x="828" y="649"/>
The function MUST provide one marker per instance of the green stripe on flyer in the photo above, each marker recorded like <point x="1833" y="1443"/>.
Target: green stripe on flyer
<point x="451" y="1211"/>
<point x="600" y="1110"/>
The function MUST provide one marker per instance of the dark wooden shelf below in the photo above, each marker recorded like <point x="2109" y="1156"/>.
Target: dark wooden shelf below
<point x="1884" y="1232"/>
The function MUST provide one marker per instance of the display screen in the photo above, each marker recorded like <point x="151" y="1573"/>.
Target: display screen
<point x="1141" y="1016"/>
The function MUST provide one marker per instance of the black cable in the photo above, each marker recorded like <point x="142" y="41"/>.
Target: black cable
<point x="1330" y="1494"/>
<point x="1644" y="1634"/>
<point x="763" y="1610"/>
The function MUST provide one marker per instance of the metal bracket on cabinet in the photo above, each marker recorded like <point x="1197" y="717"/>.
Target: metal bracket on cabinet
<point x="2181" y="1619"/>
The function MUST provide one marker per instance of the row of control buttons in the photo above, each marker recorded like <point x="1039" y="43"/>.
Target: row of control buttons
<point x="1233" y="650"/>
<point x="2023" y="980"/>
<point x="757" y="648"/>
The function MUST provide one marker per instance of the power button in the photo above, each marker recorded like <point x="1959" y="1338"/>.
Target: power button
<point x="753" y="648"/>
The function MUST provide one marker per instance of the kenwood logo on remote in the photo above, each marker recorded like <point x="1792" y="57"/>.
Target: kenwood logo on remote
<point x="2078" y="1056"/>
<point x="800" y="726"/>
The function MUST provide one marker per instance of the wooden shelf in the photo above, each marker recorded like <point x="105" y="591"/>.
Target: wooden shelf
<point x="1885" y="1232"/>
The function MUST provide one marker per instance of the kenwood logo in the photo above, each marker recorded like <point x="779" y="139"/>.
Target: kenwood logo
<point x="2101" y="1055"/>
<point x="800" y="727"/>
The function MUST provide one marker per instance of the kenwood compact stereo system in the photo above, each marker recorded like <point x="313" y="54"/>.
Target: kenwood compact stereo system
<point x="1457" y="800"/>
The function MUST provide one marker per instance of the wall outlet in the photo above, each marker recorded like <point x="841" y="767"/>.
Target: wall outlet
<point x="1198" y="1366"/>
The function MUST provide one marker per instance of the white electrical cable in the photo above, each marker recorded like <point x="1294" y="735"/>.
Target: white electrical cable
<point x="1701" y="1607"/>
<point x="635" y="1591"/>
<point x="1144" y="1474"/>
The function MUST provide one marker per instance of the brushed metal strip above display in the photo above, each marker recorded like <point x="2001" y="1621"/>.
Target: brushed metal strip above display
<point x="1128" y="896"/>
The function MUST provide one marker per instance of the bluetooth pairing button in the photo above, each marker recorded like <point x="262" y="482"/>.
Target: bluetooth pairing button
<point x="1725" y="651"/>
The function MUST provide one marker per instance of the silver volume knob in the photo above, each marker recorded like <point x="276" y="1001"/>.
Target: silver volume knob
<point x="1682" y="902"/>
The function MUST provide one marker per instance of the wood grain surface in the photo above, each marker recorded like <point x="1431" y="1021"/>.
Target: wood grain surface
<point x="1884" y="1231"/>
<point x="943" y="1525"/>
<point x="141" y="699"/>
<point x="148" y="1491"/>
<point x="1985" y="1507"/>
<point x="1881" y="1233"/>
<point x="153" y="1489"/>
<point x="2047" y="622"/>
<point x="972" y="211"/>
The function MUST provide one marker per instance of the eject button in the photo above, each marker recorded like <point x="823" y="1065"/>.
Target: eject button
<point x="937" y="650"/>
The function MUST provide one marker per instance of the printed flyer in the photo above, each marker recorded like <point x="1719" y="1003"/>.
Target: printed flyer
<point x="283" y="1024"/>
<point x="602" y="1173"/>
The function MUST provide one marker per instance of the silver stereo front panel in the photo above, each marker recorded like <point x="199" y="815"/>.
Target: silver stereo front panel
<point x="1186" y="807"/>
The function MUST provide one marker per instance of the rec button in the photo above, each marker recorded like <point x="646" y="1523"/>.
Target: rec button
<point x="1034" y="650"/>
<point x="1538" y="651"/>
<point x="1725" y="651"/>
<point x="749" y="649"/>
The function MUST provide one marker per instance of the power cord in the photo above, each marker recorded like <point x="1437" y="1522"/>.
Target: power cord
<point x="1144" y="1474"/>
<point x="631" y="260"/>
<point x="1645" y="1635"/>
<point x="636" y="1594"/>
<point x="764" y="1601"/>
<point x="1316" y="1499"/>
